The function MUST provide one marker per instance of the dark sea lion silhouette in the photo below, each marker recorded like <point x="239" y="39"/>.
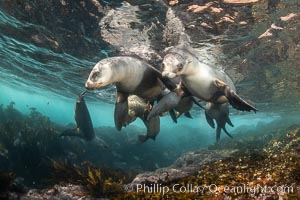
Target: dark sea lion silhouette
<point x="220" y="113"/>
<point x="84" y="126"/>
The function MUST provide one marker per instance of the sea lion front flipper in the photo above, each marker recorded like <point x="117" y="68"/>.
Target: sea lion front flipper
<point x="209" y="120"/>
<point x="236" y="101"/>
<point x="167" y="83"/>
<point x="229" y="122"/>
<point x="167" y="103"/>
<point x="229" y="135"/>
<point x="188" y="115"/>
<point x="173" y="115"/>
<point x="121" y="110"/>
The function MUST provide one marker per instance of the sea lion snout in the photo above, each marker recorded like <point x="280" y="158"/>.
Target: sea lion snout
<point x="168" y="74"/>
<point x="90" y="85"/>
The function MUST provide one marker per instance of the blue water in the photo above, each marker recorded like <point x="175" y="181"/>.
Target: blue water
<point x="61" y="109"/>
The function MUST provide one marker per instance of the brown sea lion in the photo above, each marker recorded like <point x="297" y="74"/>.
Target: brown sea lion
<point x="139" y="108"/>
<point x="199" y="79"/>
<point x="131" y="75"/>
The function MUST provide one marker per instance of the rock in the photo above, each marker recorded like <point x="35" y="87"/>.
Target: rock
<point x="240" y="1"/>
<point x="127" y="32"/>
<point x="68" y="192"/>
<point x="173" y="2"/>
<point x="186" y="165"/>
<point x="174" y="27"/>
<point x="288" y="17"/>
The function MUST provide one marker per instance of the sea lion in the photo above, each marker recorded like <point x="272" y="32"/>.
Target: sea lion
<point x="84" y="126"/>
<point x="184" y="106"/>
<point x="176" y="103"/>
<point x="202" y="80"/>
<point x="220" y="113"/>
<point x="139" y="108"/>
<point x="131" y="75"/>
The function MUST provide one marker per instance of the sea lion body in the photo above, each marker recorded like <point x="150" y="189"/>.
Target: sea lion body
<point x="202" y="80"/>
<point x="219" y="113"/>
<point x="184" y="106"/>
<point x="139" y="108"/>
<point x="131" y="75"/>
<point x="174" y="103"/>
<point x="83" y="120"/>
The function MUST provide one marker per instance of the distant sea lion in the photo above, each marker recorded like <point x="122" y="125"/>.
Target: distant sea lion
<point x="83" y="120"/>
<point x="220" y="113"/>
<point x="137" y="107"/>
<point x="201" y="80"/>
<point x="131" y="75"/>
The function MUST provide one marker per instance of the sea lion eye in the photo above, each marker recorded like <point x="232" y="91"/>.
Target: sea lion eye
<point x="163" y="65"/>
<point x="95" y="75"/>
<point x="180" y="66"/>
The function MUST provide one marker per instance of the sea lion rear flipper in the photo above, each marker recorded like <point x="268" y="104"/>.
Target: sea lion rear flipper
<point x="188" y="115"/>
<point x="229" y="135"/>
<point x="167" y="103"/>
<point x="236" y="101"/>
<point x="209" y="120"/>
<point x="121" y="110"/>
<point x="173" y="115"/>
<point x="218" y="133"/>
<point x="229" y="122"/>
<point x="197" y="103"/>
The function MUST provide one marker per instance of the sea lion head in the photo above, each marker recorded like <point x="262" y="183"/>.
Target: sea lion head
<point x="173" y="65"/>
<point x="100" y="76"/>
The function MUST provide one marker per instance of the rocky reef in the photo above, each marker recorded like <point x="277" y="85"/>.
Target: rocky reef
<point x="264" y="165"/>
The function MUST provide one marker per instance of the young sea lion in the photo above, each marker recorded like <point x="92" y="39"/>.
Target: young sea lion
<point x="137" y="107"/>
<point x="176" y="102"/>
<point x="131" y="75"/>
<point x="202" y="80"/>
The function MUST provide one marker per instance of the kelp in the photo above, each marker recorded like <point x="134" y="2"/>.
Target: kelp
<point x="100" y="182"/>
<point x="26" y="141"/>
